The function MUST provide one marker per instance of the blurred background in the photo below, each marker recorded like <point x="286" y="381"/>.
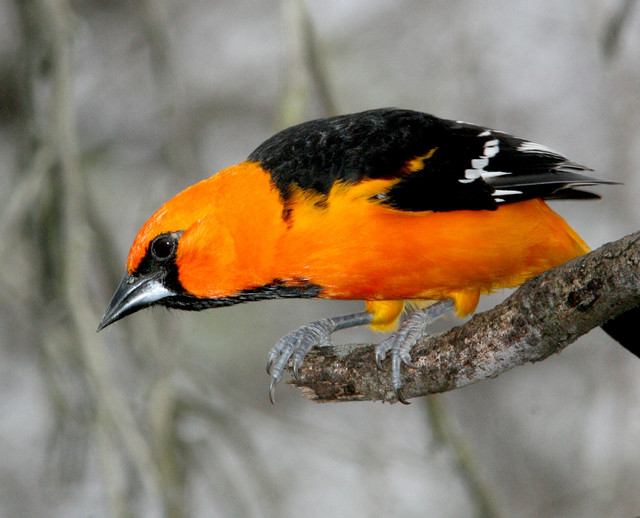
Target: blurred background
<point x="108" y="108"/>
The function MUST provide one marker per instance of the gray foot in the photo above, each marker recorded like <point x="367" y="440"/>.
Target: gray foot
<point x="297" y="344"/>
<point x="399" y="344"/>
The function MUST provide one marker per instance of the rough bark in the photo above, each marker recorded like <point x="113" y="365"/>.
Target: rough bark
<point x="541" y="318"/>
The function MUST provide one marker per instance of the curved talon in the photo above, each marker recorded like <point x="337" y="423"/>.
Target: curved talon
<point x="396" y="362"/>
<point x="296" y="366"/>
<point x="406" y="359"/>
<point x="272" y="390"/>
<point x="400" y="395"/>
<point x="399" y="345"/>
<point x="297" y="344"/>
<point x="383" y="348"/>
<point x="299" y="354"/>
<point x="270" y="361"/>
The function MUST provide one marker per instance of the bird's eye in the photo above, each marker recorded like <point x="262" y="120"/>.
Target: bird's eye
<point x="163" y="247"/>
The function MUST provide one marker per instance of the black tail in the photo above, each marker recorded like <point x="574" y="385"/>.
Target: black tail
<point x="624" y="329"/>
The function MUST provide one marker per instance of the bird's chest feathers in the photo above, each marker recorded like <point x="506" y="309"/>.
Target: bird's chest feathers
<point x="355" y="247"/>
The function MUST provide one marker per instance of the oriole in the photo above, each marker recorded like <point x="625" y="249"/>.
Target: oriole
<point x="385" y="206"/>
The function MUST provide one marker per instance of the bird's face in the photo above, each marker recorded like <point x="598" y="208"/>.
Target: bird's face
<point x="153" y="281"/>
<point x="176" y="259"/>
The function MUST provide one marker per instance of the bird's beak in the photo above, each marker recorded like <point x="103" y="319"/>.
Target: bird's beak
<point x="134" y="294"/>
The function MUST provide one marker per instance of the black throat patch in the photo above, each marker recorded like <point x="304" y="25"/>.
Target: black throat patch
<point x="277" y="289"/>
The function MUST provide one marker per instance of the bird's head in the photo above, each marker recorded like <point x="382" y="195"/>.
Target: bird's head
<point x="177" y="257"/>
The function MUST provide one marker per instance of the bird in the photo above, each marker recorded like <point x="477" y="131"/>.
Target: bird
<point x="389" y="206"/>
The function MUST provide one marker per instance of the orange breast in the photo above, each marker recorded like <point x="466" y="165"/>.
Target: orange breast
<point x="237" y="237"/>
<point x="359" y="249"/>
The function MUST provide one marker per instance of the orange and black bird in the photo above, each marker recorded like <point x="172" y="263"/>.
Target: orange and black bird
<point x="385" y="206"/>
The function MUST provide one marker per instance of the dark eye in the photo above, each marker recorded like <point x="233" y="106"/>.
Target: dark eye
<point x="163" y="247"/>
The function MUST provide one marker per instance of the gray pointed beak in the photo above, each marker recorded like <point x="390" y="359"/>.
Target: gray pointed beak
<point x="134" y="294"/>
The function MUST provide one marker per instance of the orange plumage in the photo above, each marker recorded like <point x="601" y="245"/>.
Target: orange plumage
<point x="235" y="238"/>
<point x="384" y="206"/>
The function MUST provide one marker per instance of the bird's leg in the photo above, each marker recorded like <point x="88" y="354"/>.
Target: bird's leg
<point x="399" y="344"/>
<point x="297" y="344"/>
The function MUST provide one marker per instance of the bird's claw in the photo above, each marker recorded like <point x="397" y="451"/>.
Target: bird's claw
<point x="396" y="364"/>
<point x="297" y="344"/>
<point x="405" y="358"/>
<point x="272" y="390"/>
<point x="295" y="347"/>
<point x="271" y="360"/>
<point x="400" y="395"/>
<point x="398" y="346"/>
<point x="297" y="363"/>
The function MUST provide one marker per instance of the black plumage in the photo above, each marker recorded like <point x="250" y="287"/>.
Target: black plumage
<point x="469" y="167"/>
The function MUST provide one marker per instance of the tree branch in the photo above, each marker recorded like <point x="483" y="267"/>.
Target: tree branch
<point x="541" y="318"/>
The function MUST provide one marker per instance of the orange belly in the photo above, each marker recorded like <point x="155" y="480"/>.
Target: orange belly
<point x="356" y="249"/>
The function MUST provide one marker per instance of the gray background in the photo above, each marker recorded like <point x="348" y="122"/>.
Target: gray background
<point x="167" y="414"/>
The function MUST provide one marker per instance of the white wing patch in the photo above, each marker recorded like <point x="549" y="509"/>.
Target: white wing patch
<point x="491" y="149"/>
<point x="505" y="192"/>
<point x="532" y="147"/>
<point x="491" y="174"/>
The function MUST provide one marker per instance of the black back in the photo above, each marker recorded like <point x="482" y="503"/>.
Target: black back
<point x="471" y="167"/>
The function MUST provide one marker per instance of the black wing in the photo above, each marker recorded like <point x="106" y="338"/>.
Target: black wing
<point x="439" y="165"/>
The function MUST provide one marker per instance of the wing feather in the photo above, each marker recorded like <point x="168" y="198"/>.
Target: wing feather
<point x="439" y="164"/>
